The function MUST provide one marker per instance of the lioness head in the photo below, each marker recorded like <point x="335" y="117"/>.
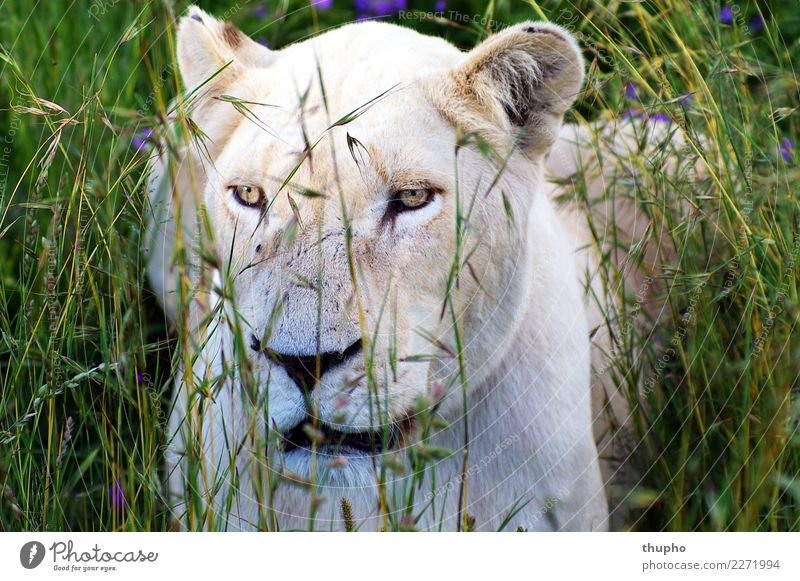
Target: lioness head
<point x="367" y="193"/>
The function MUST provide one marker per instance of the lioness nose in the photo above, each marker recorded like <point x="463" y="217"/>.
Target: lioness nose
<point x="303" y="368"/>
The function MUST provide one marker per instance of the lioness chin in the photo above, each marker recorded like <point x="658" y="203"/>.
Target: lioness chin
<point x="384" y="319"/>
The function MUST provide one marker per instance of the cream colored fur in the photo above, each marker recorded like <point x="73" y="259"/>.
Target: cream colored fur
<point x="525" y="326"/>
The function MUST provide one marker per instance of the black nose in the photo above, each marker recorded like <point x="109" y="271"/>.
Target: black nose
<point x="303" y="368"/>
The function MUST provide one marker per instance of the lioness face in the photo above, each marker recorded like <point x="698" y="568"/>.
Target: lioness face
<point x="364" y="239"/>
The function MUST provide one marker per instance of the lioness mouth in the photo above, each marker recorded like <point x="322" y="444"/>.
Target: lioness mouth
<point x="334" y="441"/>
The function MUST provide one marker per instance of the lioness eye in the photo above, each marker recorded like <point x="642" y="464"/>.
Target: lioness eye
<point x="407" y="200"/>
<point x="250" y="196"/>
<point x="413" y="199"/>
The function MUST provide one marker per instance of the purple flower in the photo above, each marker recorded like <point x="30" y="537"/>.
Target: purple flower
<point x="381" y="7"/>
<point x="726" y="14"/>
<point x="142" y="139"/>
<point x="376" y="8"/>
<point x="786" y="148"/>
<point x="660" y="118"/>
<point x="262" y="40"/>
<point x="260" y="11"/>
<point x="632" y="91"/>
<point x="656" y="118"/>
<point x="322" y="4"/>
<point x="116" y="495"/>
<point x="441" y="5"/>
<point x="756" y="23"/>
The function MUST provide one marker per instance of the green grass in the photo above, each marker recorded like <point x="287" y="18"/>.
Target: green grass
<point x="85" y="353"/>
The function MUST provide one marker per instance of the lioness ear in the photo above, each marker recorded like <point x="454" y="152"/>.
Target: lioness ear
<point x="206" y="45"/>
<point x="523" y="79"/>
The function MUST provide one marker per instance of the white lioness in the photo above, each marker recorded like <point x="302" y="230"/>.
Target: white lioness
<point x="377" y="274"/>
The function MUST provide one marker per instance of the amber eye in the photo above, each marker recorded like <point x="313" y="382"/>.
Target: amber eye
<point x="413" y="199"/>
<point x="250" y="196"/>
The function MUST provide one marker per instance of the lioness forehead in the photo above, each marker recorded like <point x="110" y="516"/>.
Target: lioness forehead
<point x="356" y="65"/>
<point x="378" y="153"/>
<point x="362" y="55"/>
<point x="359" y="89"/>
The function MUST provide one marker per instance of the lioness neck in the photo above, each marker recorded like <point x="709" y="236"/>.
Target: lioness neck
<point x="529" y="415"/>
